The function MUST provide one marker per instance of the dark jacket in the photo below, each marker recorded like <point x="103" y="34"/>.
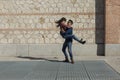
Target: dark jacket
<point x="69" y="31"/>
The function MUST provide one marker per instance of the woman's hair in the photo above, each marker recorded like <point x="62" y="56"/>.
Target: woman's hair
<point x="59" y="21"/>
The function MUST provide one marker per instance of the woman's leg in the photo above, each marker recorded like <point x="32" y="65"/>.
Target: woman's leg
<point x="75" y="38"/>
<point x="70" y="36"/>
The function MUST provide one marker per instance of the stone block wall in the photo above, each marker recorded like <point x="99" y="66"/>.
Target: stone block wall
<point x="26" y="22"/>
<point x="32" y="21"/>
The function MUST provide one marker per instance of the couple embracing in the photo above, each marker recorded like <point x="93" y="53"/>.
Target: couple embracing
<point x="66" y="31"/>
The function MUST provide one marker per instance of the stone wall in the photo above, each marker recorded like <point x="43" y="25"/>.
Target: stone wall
<point x="32" y="22"/>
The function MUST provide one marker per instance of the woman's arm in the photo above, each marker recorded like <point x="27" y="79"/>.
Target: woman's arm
<point x="64" y="25"/>
<point x="62" y="29"/>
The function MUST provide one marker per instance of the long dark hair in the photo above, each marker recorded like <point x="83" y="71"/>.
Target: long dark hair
<point x="59" y="21"/>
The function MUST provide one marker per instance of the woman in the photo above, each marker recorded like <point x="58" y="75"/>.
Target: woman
<point x="63" y="27"/>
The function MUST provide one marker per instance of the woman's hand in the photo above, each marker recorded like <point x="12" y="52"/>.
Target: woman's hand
<point x="62" y="30"/>
<point x="64" y="25"/>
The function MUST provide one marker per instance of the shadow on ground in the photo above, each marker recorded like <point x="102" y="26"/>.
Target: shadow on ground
<point x="34" y="58"/>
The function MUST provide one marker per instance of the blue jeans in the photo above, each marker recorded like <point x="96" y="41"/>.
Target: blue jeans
<point x="71" y="36"/>
<point x="69" y="45"/>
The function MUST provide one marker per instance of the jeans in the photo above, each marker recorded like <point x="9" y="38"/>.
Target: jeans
<point x="69" y="45"/>
<point x="71" y="36"/>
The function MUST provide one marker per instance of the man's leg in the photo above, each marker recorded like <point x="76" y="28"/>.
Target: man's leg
<point x="70" y="51"/>
<point x="64" y="51"/>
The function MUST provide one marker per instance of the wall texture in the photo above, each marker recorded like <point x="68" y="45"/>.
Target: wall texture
<point x="112" y="21"/>
<point x="32" y="22"/>
<point x="112" y="30"/>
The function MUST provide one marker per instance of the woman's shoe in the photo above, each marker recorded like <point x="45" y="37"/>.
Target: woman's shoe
<point x="83" y="42"/>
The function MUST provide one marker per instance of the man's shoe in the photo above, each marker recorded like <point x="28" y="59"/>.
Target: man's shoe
<point x="66" y="60"/>
<point x="72" y="61"/>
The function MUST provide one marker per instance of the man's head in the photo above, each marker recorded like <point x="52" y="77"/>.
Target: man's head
<point x="70" y="23"/>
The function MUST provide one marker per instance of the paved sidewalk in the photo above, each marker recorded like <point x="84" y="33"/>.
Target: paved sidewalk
<point x="57" y="70"/>
<point x="113" y="61"/>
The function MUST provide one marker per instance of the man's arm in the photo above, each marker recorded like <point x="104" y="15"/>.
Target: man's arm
<point x="69" y="31"/>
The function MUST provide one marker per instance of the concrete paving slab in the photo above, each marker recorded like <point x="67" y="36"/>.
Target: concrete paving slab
<point x="57" y="70"/>
<point x="99" y="70"/>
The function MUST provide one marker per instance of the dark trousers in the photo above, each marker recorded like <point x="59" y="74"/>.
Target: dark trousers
<point x="67" y="44"/>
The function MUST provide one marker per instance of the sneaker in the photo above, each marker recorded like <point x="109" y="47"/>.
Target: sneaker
<point x="72" y="61"/>
<point x="83" y="42"/>
<point x="66" y="60"/>
<point x="81" y="39"/>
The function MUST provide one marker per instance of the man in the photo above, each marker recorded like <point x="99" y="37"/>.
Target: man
<point x="68" y="42"/>
<point x="63" y="27"/>
<point x="66" y="32"/>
